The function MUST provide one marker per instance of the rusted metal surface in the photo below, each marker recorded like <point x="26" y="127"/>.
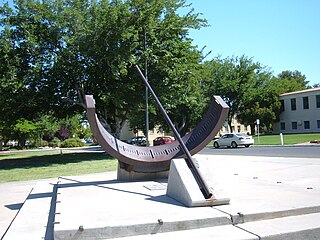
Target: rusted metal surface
<point x="157" y="158"/>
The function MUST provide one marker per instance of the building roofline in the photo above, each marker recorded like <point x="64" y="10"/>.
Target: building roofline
<point x="301" y="91"/>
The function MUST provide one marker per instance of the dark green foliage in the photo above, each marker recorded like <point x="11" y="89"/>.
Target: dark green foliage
<point x="72" y="142"/>
<point x="297" y="81"/>
<point x="54" y="52"/>
<point x="55" y="142"/>
<point x="249" y="89"/>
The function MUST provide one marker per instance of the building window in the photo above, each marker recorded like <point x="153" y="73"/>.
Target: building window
<point x="305" y="103"/>
<point x="293" y="104"/>
<point x="318" y="123"/>
<point x="282" y="105"/>
<point x="306" y="124"/>
<point x="294" y="125"/>
<point x="282" y="126"/>
<point x="318" y="101"/>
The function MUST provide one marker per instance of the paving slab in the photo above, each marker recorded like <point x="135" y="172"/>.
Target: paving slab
<point x="264" y="187"/>
<point x="32" y="219"/>
<point x="288" y="228"/>
<point x="227" y="232"/>
<point x="115" y="209"/>
<point x="12" y="197"/>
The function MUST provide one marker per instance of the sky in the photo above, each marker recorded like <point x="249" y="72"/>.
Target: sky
<point x="280" y="34"/>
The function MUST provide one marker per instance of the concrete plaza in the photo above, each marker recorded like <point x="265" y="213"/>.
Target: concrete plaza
<point x="271" y="198"/>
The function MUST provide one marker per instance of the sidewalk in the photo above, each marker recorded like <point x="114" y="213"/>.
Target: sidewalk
<point x="270" y="196"/>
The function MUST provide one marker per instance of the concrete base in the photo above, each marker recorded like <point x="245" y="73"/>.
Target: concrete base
<point x="110" y="209"/>
<point x="183" y="187"/>
<point x="127" y="174"/>
<point x="272" y="198"/>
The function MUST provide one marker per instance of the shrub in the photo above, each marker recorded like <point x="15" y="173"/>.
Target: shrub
<point x="55" y="142"/>
<point x="44" y="143"/>
<point x="72" y="142"/>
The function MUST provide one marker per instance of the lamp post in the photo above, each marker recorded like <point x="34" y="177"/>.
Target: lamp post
<point x="258" y="130"/>
<point x="146" y="77"/>
<point x="147" y="93"/>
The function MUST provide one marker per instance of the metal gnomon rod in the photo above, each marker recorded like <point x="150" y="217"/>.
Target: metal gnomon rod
<point x="206" y="191"/>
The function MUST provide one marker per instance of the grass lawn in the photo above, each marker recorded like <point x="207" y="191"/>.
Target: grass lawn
<point x="30" y="165"/>
<point x="22" y="166"/>
<point x="287" y="139"/>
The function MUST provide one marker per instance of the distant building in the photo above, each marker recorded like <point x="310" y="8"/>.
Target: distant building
<point x="300" y="112"/>
<point x="235" y="127"/>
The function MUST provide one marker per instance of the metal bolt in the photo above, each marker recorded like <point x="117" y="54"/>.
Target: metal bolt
<point x="240" y="214"/>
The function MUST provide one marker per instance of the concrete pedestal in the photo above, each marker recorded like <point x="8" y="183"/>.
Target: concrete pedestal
<point x="183" y="187"/>
<point x="128" y="174"/>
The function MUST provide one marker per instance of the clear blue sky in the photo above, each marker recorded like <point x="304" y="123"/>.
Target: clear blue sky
<point x="280" y="34"/>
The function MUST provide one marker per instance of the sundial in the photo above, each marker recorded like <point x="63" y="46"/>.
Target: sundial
<point x="156" y="159"/>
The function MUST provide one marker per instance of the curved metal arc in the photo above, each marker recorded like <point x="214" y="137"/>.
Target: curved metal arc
<point x="159" y="156"/>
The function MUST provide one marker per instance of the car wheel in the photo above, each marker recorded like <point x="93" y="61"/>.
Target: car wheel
<point x="247" y="146"/>
<point x="216" y="145"/>
<point x="234" y="145"/>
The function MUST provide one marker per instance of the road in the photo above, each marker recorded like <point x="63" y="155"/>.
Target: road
<point x="305" y="151"/>
<point x="299" y="151"/>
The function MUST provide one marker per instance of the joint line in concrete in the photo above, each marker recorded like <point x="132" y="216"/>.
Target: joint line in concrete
<point x="16" y="215"/>
<point x="237" y="226"/>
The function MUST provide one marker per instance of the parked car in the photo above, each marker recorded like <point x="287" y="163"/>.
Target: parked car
<point x="89" y="140"/>
<point x="140" y="140"/>
<point x="163" y="140"/>
<point x="234" y="140"/>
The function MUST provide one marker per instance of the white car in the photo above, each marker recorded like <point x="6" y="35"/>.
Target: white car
<point x="234" y="140"/>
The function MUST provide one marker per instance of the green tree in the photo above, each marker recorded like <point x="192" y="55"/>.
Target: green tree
<point x="169" y="53"/>
<point x="55" y="52"/>
<point x="75" y="124"/>
<point x="25" y="130"/>
<point x="47" y="126"/>
<point x="261" y="101"/>
<point x="231" y="78"/>
<point x="29" y="41"/>
<point x="296" y="80"/>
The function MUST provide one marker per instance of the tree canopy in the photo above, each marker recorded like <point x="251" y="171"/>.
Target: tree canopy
<point x="54" y="52"/>
<point x="249" y="88"/>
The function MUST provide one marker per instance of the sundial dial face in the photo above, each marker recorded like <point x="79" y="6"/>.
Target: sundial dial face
<point x="157" y="158"/>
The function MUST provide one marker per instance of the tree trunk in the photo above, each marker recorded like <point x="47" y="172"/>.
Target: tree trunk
<point x="182" y="129"/>
<point x="229" y="119"/>
<point x="230" y="126"/>
<point x="253" y="130"/>
<point x="1" y="143"/>
<point x="114" y="128"/>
